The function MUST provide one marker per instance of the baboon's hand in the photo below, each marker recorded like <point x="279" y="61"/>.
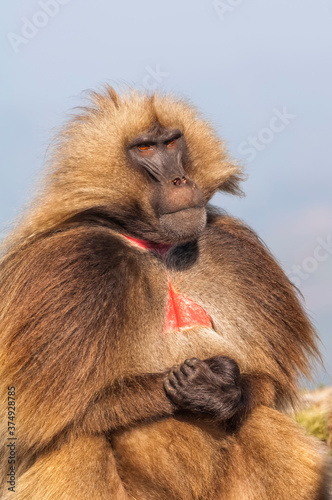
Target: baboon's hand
<point x="211" y="386"/>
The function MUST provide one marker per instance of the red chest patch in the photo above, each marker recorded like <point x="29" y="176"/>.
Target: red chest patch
<point x="181" y="311"/>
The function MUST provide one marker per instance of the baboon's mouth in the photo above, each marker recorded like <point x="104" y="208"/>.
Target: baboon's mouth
<point x="186" y="209"/>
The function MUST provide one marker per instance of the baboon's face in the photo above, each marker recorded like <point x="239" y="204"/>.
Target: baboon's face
<point x="177" y="202"/>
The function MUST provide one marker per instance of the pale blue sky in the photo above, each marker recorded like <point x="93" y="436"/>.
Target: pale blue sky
<point x="259" y="70"/>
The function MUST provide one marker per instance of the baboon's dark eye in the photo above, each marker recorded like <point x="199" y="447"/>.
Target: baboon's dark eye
<point x="144" y="147"/>
<point x="171" y="143"/>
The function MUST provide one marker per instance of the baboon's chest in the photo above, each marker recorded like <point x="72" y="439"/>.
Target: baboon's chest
<point x="181" y="312"/>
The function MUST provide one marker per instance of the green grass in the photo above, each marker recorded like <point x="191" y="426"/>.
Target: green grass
<point x="314" y="422"/>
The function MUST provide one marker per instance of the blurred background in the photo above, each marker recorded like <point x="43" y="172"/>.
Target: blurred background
<point x="260" y="71"/>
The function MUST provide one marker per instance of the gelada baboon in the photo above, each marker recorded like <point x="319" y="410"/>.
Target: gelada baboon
<point x="151" y="343"/>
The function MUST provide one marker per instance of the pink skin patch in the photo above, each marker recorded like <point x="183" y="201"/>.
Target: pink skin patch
<point x="161" y="248"/>
<point x="181" y="312"/>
